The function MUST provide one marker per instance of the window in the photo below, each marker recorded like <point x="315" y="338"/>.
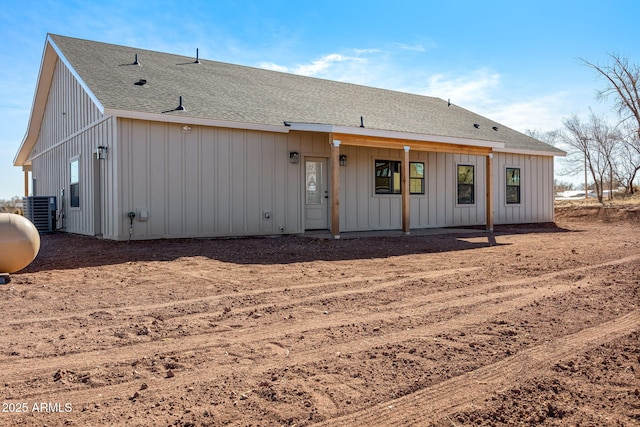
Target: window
<point x="388" y="177"/>
<point x="416" y="178"/>
<point x="513" y="186"/>
<point x="74" y="184"/>
<point x="466" y="185"/>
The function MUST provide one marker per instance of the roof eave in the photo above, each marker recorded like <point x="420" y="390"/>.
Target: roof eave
<point x="558" y="153"/>
<point x="182" y="118"/>
<point x="380" y="133"/>
<point x="45" y="75"/>
<point x="50" y="55"/>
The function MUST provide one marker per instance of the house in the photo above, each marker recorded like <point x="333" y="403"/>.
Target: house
<point x="143" y="145"/>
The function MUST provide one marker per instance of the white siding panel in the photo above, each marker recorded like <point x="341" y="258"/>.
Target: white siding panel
<point x="349" y="180"/>
<point x="207" y="181"/>
<point x="253" y="196"/>
<point x="208" y="175"/>
<point x="72" y="127"/>
<point x="175" y="183"/>
<point x="293" y="195"/>
<point x="362" y="209"/>
<point x="157" y="194"/>
<point x="223" y="181"/>
<point x="536" y="191"/>
<point x="139" y="184"/>
<point x="238" y="184"/>
<point x="193" y="187"/>
<point x="282" y="184"/>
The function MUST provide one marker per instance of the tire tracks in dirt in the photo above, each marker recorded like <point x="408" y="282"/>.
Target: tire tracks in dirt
<point x="373" y="283"/>
<point x="431" y="404"/>
<point x="508" y="299"/>
<point x="456" y="298"/>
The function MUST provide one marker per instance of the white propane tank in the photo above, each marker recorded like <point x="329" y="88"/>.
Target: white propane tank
<point x="19" y="242"/>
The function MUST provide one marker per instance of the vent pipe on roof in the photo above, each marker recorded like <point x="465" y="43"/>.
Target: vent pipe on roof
<point x="136" y="60"/>
<point x="361" y="121"/>
<point x="449" y="102"/>
<point x="197" y="61"/>
<point x="180" y="107"/>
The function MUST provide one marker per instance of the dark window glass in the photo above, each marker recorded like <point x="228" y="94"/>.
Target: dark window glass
<point x="513" y="185"/>
<point x="466" y="184"/>
<point x="416" y="178"/>
<point x="74" y="184"/>
<point x="388" y="177"/>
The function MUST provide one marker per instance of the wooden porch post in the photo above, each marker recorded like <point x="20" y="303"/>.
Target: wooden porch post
<point x="404" y="180"/>
<point x="25" y="169"/>
<point x="489" y="186"/>
<point x="335" y="188"/>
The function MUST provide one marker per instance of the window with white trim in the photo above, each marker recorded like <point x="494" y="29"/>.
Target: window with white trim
<point x="466" y="185"/>
<point x="513" y="186"/>
<point x="388" y="177"/>
<point x="74" y="183"/>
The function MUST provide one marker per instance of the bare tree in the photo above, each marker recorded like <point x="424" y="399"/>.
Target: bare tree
<point x="627" y="160"/>
<point x="576" y="140"/>
<point x="550" y="137"/>
<point x="591" y="148"/>
<point x="623" y="83"/>
<point x="606" y="139"/>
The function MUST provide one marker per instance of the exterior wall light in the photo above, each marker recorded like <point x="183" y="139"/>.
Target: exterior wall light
<point x="294" y="157"/>
<point x="101" y="152"/>
<point x="343" y="160"/>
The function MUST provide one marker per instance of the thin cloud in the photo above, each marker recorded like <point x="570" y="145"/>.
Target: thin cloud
<point x="414" y="48"/>
<point x="273" y="67"/>
<point x="371" y="66"/>
<point x="466" y="89"/>
<point x="318" y="66"/>
<point x="541" y="113"/>
<point x="481" y="90"/>
<point x="363" y="51"/>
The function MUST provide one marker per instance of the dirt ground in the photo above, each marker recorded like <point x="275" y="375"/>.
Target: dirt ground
<point x="530" y="325"/>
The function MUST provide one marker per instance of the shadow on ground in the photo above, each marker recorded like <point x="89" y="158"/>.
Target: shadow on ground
<point x="67" y="251"/>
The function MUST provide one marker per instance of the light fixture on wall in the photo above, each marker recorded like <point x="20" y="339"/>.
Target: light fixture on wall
<point x="101" y="152"/>
<point x="294" y="156"/>
<point x="186" y="128"/>
<point x="343" y="160"/>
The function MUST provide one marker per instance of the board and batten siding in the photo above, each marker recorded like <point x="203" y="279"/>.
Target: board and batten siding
<point x="536" y="189"/>
<point x="209" y="181"/>
<point x="72" y="127"/>
<point x="362" y="209"/>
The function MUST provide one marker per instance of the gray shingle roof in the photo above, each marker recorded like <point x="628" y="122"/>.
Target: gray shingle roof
<point x="222" y="91"/>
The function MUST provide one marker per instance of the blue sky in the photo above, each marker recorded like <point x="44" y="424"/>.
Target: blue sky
<point x="516" y="62"/>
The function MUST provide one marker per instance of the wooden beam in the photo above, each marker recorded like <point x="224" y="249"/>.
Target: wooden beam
<point x="435" y="147"/>
<point x="26" y="183"/>
<point x="489" y="189"/>
<point x="404" y="180"/>
<point x="335" y="188"/>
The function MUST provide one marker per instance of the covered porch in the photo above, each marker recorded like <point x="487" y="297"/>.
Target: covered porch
<point x="405" y="144"/>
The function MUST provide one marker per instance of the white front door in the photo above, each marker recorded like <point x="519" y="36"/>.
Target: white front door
<point x="316" y="211"/>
